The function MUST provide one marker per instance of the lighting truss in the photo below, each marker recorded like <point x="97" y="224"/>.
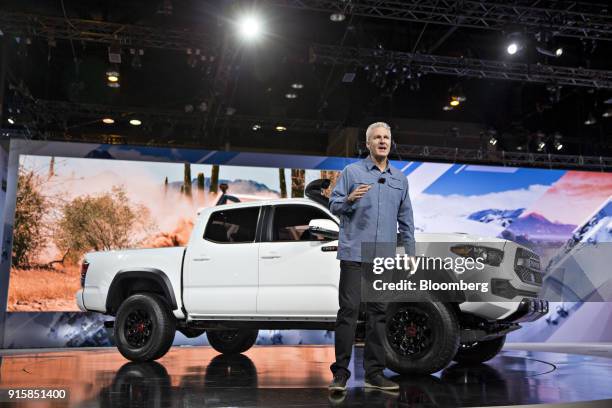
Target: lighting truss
<point x="564" y="18"/>
<point x="504" y="158"/>
<point x="59" y="28"/>
<point x="462" y="67"/>
<point x="47" y="112"/>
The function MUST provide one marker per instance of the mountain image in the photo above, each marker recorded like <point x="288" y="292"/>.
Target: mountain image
<point x="237" y="186"/>
<point x="536" y="226"/>
<point x="495" y="216"/>
<point x="597" y="229"/>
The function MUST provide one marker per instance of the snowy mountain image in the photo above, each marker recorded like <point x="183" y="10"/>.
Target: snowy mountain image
<point x="495" y="216"/>
<point x="580" y="270"/>
<point x="534" y="226"/>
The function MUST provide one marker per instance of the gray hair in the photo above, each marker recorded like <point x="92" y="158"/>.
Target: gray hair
<point x="374" y="126"/>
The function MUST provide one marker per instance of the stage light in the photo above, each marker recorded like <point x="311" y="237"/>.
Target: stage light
<point x="250" y="27"/>
<point x="514" y="43"/>
<point x="492" y="141"/>
<point x="512" y="48"/>
<point x="188" y="108"/>
<point x="337" y="17"/>
<point x="297" y="85"/>
<point x="607" y="113"/>
<point x="541" y="145"/>
<point x="555" y="53"/>
<point x="447" y="108"/>
<point x="135" y="122"/>
<point x="256" y="127"/>
<point x="290" y="95"/>
<point x="280" y="128"/>
<point x="11" y="121"/>
<point x="112" y="78"/>
<point x="558" y="145"/>
<point x="454" y="102"/>
<point x="108" y="121"/>
<point x="590" y="120"/>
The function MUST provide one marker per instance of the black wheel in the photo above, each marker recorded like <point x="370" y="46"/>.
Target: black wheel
<point x="144" y="327"/>
<point x="479" y="352"/>
<point x="420" y="338"/>
<point x="232" y="341"/>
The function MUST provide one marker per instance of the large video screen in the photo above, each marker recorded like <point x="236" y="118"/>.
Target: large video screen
<point x="117" y="197"/>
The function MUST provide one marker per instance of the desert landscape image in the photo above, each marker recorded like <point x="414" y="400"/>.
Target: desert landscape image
<point x="66" y="207"/>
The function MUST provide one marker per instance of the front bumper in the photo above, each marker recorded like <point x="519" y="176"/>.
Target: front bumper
<point x="79" y="300"/>
<point x="529" y="310"/>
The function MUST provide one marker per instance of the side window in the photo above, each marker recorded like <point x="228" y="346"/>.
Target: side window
<point x="291" y="222"/>
<point x="232" y="226"/>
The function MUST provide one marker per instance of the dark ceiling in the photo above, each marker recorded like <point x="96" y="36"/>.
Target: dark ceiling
<point x="251" y="87"/>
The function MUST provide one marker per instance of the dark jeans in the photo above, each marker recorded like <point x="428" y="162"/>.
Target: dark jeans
<point x="349" y="299"/>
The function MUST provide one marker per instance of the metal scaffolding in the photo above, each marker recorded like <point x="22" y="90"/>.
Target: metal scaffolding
<point x="48" y="113"/>
<point x="563" y="18"/>
<point x="59" y="28"/>
<point x="414" y="64"/>
<point x="504" y="158"/>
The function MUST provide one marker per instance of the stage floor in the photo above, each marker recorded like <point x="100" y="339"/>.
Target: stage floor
<point x="298" y="376"/>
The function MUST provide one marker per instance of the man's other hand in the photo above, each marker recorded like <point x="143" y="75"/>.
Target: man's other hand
<point x="358" y="192"/>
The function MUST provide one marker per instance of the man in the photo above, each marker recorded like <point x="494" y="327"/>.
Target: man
<point x="371" y="199"/>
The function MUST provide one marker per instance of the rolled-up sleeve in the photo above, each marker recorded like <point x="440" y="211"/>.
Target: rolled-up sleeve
<point x="338" y="202"/>
<point x="405" y="223"/>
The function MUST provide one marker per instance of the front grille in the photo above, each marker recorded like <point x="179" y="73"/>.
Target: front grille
<point x="527" y="266"/>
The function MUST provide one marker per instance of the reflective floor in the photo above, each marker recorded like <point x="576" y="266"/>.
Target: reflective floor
<point x="298" y="376"/>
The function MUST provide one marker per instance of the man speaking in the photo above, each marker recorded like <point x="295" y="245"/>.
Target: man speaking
<point x="371" y="199"/>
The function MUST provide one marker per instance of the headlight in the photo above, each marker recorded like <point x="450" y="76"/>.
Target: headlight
<point x="489" y="256"/>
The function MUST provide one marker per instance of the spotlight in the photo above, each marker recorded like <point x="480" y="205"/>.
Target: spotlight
<point x="447" y="108"/>
<point x="135" y="122"/>
<point x="297" y="85"/>
<point x="454" y="102"/>
<point x="203" y="107"/>
<point x="11" y="121"/>
<point x="512" y="48"/>
<point x="256" y="127"/>
<point x="337" y="17"/>
<point x="112" y="78"/>
<point x="188" y="108"/>
<point x="558" y="145"/>
<point x="290" y="95"/>
<point x="590" y="120"/>
<point x="250" y="27"/>
<point x="514" y="43"/>
<point x="555" y="53"/>
<point x="541" y="141"/>
<point x="280" y="128"/>
<point x="108" y="121"/>
<point x="607" y="113"/>
<point x="492" y="141"/>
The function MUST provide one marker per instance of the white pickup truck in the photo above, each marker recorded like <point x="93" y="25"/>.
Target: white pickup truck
<point x="272" y="265"/>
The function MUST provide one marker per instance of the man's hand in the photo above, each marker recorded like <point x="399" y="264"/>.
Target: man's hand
<point x="358" y="192"/>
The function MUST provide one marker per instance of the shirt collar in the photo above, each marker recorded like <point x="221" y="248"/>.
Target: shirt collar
<point x="370" y="165"/>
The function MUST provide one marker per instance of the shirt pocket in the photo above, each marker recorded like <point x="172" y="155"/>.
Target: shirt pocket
<point x="395" y="190"/>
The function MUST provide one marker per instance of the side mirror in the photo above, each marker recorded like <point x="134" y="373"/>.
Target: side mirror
<point x="324" y="228"/>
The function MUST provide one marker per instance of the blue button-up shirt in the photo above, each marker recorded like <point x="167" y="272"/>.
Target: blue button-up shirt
<point x="377" y="216"/>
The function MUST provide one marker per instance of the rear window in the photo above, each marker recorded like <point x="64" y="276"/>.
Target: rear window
<point x="232" y="226"/>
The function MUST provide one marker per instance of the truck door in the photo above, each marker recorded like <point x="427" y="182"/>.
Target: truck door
<point x="221" y="267"/>
<point x="298" y="272"/>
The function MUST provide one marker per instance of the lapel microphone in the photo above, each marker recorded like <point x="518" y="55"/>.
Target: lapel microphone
<point x="381" y="181"/>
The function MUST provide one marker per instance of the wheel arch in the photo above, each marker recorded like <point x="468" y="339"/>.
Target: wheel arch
<point x="129" y="281"/>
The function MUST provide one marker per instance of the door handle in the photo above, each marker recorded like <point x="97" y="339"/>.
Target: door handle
<point x="201" y="258"/>
<point x="329" y="248"/>
<point x="271" y="255"/>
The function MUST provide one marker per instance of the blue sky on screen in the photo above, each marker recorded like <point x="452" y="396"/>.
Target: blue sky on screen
<point x="468" y="180"/>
